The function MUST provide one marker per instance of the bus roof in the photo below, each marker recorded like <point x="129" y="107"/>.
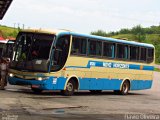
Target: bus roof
<point x="64" y="31"/>
<point x="47" y="31"/>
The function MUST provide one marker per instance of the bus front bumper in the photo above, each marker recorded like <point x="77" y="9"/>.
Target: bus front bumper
<point x="51" y="83"/>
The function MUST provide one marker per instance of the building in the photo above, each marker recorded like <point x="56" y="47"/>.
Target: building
<point x="4" y="5"/>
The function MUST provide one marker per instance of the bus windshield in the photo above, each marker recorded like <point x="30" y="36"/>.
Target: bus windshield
<point x="32" y="51"/>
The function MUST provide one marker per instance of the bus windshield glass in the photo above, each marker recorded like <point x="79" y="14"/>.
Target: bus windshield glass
<point x="30" y="48"/>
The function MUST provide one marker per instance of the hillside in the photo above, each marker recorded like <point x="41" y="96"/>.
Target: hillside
<point x="6" y="32"/>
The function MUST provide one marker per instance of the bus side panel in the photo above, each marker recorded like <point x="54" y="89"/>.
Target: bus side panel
<point x="54" y="83"/>
<point x="84" y="83"/>
<point x="61" y="83"/>
<point x="141" y="84"/>
<point x="99" y="84"/>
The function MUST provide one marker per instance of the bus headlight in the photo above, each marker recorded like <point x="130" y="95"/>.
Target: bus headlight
<point x="42" y="78"/>
<point x="11" y="75"/>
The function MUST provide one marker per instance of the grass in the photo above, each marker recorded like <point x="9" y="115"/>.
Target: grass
<point x="157" y="69"/>
<point x="8" y="31"/>
<point x="125" y="36"/>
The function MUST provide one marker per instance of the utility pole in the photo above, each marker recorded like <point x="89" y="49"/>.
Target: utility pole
<point x="18" y="26"/>
<point x="14" y="25"/>
<point x="23" y="26"/>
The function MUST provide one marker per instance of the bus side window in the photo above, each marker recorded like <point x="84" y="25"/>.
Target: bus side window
<point x="150" y="54"/>
<point x="79" y="46"/>
<point x="143" y="54"/>
<point x="83" y="46"/>
<point x="95" y="48"/>
<point x="122" y="51"/>
<point x="108" y="50"/>
<point x="63" y="46"/>
<point x="134" y="53"/>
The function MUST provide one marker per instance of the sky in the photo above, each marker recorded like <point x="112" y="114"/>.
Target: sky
<point x="83" y="16"/>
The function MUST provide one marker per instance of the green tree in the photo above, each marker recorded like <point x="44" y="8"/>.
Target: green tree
<point x="139" y="32"/>
<point x="124" y="31"/>
<point x="99" y="33"/>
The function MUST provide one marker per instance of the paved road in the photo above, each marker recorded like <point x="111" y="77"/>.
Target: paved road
<point x="19" y="103"/>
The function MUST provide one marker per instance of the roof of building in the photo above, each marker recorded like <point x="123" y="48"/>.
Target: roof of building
<point x="4" y="5"/>
<point x="1" y="38"/>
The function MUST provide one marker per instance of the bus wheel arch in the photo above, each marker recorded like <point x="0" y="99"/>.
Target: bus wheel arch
<point x="124" y="88"/>
<point x="76" y="81"/>
<point x="72" y="84"/>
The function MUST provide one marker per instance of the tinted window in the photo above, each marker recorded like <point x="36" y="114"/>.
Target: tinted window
<point x="108" y="49"/>
<point x="95" y="47"/>
<point x="122" y="51"/>
<point x="79" y="46"/>
<point x="60" y="53"/>
<point x="134" y="53"/>
<point x="143" y="54"/>
<point x="150" y="55"/>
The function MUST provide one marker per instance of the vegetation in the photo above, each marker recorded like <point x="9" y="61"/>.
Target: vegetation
<point x="8" y="31"/>
<point x="138" y="33"/>
<point x="157" y="69"/>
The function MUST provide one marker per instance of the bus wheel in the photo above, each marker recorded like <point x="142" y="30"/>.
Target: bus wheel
<point x="69" y="91"/>
<point x="124" y="90"/>
<point x="35" y="90"/>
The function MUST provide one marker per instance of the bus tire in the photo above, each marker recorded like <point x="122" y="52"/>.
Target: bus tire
<point x="70" y="88"/>
<point x="125" y="88"/>
<point x="36" y="90"/>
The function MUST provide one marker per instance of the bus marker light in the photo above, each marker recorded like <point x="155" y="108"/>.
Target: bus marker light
<point x="64" y="68"/>
<point x="141" y="67"/>
<point x="35" y="86"/>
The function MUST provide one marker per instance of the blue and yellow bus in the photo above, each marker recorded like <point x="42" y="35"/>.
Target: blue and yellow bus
<point x="68" y="61"/>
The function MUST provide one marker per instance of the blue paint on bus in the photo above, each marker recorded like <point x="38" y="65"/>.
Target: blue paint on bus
<point x="84" y="83"/>
<point x="115" y="65"/>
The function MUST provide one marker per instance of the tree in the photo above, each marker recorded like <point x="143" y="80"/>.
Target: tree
<point x="124" y="31"/>
<point x="139" y="32"/>
<point x="100" y="33"/>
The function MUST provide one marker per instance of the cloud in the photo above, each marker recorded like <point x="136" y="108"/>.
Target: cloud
<point x="83" y="15"/>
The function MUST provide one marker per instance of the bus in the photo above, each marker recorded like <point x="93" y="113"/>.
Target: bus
<point x="8" y="49"/>
<point x="68" y="61"/>
<point x="2" y="44"/>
